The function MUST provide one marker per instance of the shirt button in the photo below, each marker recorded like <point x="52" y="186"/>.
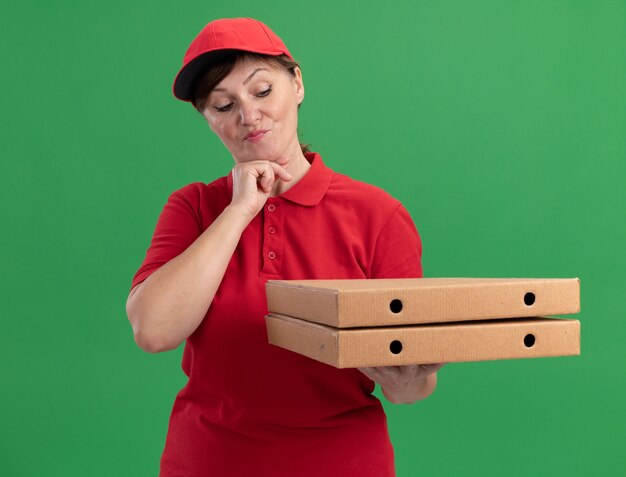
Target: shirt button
<point x="271" y="207"/>
<point x="271" y="254"/>
<point x="271" y="230"/>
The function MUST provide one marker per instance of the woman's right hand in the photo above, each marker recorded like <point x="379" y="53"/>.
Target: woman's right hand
<point x="253" y="183"/>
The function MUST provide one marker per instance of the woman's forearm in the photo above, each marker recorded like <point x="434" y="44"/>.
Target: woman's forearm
<point x="170" y="304"/>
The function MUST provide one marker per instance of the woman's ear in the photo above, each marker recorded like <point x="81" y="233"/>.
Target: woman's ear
<point x="298" y="84"/>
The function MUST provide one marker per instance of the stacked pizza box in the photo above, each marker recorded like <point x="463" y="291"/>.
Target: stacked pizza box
<point x="387" y="322"/>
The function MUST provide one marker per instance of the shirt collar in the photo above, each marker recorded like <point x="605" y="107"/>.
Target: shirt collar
<point x="310" y="189"/>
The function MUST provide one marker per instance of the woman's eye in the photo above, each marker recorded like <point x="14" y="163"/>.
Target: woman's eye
<point x="223" y="109"/>
<point x="266" y="92"/>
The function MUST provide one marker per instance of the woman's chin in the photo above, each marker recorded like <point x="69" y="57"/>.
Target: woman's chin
<point x="279" y="159"/>
<point x="282" y="161"/>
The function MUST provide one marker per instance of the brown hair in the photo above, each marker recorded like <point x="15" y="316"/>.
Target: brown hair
<point x="219" y="70"/>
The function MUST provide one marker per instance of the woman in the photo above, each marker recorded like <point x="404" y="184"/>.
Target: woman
<point x="250" y="408"/>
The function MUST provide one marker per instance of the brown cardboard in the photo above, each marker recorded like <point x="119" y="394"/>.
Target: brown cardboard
<point x="369" y="302"/>
<point x="423" y="344"/>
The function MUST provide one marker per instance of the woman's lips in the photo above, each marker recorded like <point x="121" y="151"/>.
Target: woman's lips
<point x="256" y="135"/>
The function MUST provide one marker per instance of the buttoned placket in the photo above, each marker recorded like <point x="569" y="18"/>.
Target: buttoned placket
<point x="272" y="247"/>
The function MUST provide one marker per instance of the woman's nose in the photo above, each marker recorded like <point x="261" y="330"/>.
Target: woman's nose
<point x="249" y="113"/>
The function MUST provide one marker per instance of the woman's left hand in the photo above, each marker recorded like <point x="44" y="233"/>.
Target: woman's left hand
<point x="405" y="384"/>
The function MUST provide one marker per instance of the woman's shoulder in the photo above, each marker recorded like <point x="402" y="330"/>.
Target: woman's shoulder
<point x="205" y="200"/>
<point x="345" y="187"/>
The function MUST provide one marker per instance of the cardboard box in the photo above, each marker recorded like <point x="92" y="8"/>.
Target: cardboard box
<point x="422" y="344"/>
<point x="392" y="302"/>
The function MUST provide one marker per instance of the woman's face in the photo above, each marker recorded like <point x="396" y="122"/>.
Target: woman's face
<point x="256" y="96"/>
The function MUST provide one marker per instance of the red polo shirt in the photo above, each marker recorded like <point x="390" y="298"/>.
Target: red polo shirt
<point x="250" y="408"/>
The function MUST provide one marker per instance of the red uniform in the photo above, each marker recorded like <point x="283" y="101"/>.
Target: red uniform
<point x="250" y="408"/>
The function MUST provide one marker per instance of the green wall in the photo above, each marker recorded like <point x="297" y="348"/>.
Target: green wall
<point x="499" y="124"/>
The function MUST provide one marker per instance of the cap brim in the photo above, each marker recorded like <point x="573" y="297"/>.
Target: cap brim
<point x="185" y="80"/>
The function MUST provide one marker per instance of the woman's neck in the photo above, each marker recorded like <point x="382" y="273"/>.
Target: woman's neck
<point x="297" y="166"/>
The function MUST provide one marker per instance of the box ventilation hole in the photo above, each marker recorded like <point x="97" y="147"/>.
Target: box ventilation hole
<point x="529" y="340"/>
<point x="529" y="299"/>
<point x="395" y="306"/>
<point x="395" y="347"/>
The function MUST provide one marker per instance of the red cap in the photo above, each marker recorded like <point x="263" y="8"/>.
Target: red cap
<point x="245" y="34"/>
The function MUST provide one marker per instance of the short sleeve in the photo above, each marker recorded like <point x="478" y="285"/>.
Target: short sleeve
<point x="398" y="249"/>
<point x="177" y="228"/>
